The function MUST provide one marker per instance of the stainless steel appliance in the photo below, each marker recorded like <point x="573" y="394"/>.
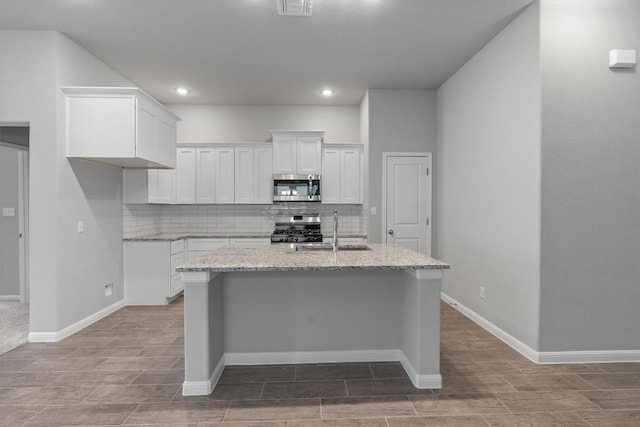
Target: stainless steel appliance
<point x="298" y="228"/>
<point x="296" y="188"/>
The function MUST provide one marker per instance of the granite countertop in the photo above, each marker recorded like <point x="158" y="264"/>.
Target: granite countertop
<point x="179" y="236"/>
<point x="283" y="257"/>
<point x="230" y="235"/>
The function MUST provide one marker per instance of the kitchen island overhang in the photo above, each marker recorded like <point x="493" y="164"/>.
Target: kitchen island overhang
<point x="273" y="305"/>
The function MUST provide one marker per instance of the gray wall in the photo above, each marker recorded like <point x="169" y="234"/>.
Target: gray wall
<point x="399" y="121"/>
<point x="251" y="123"/>
<point x="590" y="282"/>
<point x="9" y="198"/>
<point x="67" y="269"/>
<point x="488" y="180"/>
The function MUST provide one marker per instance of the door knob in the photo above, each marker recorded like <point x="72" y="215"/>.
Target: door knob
<point x="391" y="232"/>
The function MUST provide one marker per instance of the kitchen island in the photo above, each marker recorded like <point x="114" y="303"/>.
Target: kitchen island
<point x="275" y="305"/>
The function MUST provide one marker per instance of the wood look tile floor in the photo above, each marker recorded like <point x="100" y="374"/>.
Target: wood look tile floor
<point x="127" y="369"/>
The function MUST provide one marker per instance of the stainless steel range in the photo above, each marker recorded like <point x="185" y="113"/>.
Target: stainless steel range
<point x="298" y="228"/>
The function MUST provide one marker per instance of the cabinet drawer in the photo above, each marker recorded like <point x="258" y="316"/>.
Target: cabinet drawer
<point x="206" y="244"/>
<point x="176" y="261"/>
<point x="176" y="285"/>
<point x="177" y="246"/>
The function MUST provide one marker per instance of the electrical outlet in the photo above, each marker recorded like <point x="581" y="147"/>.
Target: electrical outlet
<point x="481" y="291"/>
<point x="108" y="289"/>
<point x="80" y="227"/>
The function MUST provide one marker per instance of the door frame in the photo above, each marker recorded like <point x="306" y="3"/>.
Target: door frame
<point x="23" y="220"/>
<point x="385" y="156"/>
<point x="23" y="224"/>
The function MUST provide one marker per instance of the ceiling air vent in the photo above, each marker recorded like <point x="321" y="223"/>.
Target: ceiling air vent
<point x="294" y="7"/>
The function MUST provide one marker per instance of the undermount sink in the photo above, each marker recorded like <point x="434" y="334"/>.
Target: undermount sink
<point x="310" y="247"/>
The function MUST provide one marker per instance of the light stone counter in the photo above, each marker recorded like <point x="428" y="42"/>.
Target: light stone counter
<point x="272" y="305"/>
<point x="170" y="237"/>
<point x="284" y="257"/>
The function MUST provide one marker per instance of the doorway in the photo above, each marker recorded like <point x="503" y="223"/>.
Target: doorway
<point x="14" y="231"/>
<point x="406" y="200"/>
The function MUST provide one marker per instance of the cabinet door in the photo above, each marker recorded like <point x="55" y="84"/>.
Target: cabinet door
<point x="185" y="175"/>
<point x="166" y="143"/>
<point x="160" y="186"/>
<point x="330" y="182"/>
<point x="224" y="175"/>
<point x="244" y="171"/>
<point x="205" y="176"/>
<point x="350" y="176"/>
<point x="262" y="175"/>
<point x="284" y="155"/>
<point x="309" y="155"/>
<point x="147" y="131"/>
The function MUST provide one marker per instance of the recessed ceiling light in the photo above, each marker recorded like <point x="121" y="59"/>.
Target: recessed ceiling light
<point x="327" y="92"/>
<point x="182" y="91"/>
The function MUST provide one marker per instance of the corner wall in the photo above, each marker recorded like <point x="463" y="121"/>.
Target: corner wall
<point x="590" y="282"/>
<point x="399" y="121"/>
<point x="66" y="269"/>
<point x="488" y="180"/>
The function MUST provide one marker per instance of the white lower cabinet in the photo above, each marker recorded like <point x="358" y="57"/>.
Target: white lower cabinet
<point x="247" y="241"/>
<point x="150" y="276"/>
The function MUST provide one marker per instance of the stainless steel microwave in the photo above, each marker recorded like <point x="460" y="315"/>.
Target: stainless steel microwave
<point x="296" y="188"/>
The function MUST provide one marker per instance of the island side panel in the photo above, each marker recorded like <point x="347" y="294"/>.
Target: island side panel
<point x="421" y="327"/>
<point x="204" y="332"/>
<point x="312" y="316"/>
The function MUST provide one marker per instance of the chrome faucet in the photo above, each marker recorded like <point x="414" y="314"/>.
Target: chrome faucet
<point x="335" y="231"/>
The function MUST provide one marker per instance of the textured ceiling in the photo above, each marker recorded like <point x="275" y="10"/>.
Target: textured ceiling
<point x="243" y="52"/>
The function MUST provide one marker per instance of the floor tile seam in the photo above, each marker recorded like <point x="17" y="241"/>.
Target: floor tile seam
<point x="124" y="422"/>
<point x="502" y="403"/>
<point x="264" y="384"/>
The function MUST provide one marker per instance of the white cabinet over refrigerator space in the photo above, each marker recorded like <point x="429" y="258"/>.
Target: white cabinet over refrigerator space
<point x="119" y="126"/>
<point x="297" y="152"/>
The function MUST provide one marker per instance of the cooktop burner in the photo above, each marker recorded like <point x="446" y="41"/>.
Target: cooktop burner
<point x="298" y="228"/>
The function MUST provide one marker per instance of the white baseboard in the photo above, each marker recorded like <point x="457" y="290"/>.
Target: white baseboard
<point x="549" y="357"/>
<point x="504" y="336"/>
<point x="78" y="326"/>
<point x="420" y="381"/>
<point x="204" y="388"/>
<point x="9" y="297"/>
<point x="290" y="357"/>
<point x="608" y="356"/>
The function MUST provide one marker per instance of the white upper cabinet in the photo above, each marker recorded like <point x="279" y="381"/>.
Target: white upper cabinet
<point x="205" y="176"/>
<point x="263" y="175"/>
<point x="119" y="126"/>
<point x="342" y="175"/>
<point x="297" y="152"/>
<point x="253" y="177"/>
<point x="225" y="174"/>
<point x="215" y="175"/>
<point x="186" y="175"/>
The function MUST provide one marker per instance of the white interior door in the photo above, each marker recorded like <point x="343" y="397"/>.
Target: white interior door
<point x="408" y="201"/>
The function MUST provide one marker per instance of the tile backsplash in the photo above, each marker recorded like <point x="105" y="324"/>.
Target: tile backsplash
<point x="139" y="220"/>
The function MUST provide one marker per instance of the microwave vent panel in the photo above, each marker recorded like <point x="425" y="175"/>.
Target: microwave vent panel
<point x="294" y="7"/>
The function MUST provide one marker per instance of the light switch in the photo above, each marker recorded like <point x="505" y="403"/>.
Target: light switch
<point x="374" y="210"/>
<point x="80" y="227"/>
<point x="8" y="211"/>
